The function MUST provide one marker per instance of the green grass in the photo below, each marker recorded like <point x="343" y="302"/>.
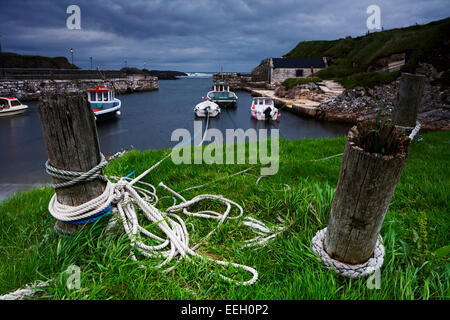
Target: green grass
<point x="352" y="56"/>
<point x="415" y="233"/>
<point x="367" y="79"/>
<point x="292" y="82"/>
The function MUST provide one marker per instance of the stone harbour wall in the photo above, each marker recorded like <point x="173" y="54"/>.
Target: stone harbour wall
<point x="29" y="90"/>
<point x="239" y="81"/>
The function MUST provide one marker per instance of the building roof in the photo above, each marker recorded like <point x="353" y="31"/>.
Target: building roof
<point x="298" y="63"/>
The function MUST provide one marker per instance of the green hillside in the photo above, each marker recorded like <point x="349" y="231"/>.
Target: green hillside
<point x="14" y="60"/>
<point x="351" y="56"/>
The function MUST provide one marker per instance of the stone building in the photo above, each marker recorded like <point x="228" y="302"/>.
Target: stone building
<point x="281" y="69"/>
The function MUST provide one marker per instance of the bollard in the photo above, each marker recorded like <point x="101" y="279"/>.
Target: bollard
<point x="70" y="134"/>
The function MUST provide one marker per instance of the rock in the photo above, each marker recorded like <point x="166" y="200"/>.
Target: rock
<point x="359" y="104"/>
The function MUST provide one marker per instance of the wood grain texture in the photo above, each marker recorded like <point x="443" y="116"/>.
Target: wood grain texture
<point x="70" y="134"/>
<point x="408" y="99"/>
<point x="366" y="185"/>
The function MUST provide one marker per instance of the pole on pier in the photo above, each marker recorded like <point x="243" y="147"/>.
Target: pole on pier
<point x="408" y="99"/>
<point x="368" y="178"/>
<point x="70" y="135"/>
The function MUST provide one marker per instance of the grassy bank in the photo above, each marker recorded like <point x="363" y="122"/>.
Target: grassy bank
<point x="415" y="233"/>
<point x="351" y="57"/>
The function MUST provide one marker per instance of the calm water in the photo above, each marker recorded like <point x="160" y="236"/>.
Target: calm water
<point x="147" y="122"/>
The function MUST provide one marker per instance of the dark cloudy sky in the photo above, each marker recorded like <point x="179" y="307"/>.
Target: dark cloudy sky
<point x="197" y="35"/>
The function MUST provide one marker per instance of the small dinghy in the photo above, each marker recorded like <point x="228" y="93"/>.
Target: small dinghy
<point x="263" y="108"/>
<point x="10" y="106"/>
<point x="207" y="107"/>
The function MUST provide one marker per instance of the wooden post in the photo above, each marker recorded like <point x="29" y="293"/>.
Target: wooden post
<point x="408" y="99"/>
<point x="366" y="184"/>
<point x="70" y="134"/>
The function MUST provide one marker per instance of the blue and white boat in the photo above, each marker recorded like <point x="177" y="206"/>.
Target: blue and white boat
<point x="103" y="100"/>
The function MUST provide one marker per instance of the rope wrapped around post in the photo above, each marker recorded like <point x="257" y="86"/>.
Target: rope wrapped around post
<point x="346" y="269"/>
<point x="124" y="196"/>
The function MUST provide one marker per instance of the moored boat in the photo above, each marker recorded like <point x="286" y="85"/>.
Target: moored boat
<point x="222" y="95"/>
<point x="207" y="108"/>
<point x="263" y="108"/>
<point x="10" y="106"/>
<point x="103" y="100"/>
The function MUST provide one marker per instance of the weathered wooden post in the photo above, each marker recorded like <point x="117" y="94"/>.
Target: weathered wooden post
<point x="408" y="99"/>
<point x="373" y="160"/>
<point x="70" y="135"/>
<point x="366" y="185"/>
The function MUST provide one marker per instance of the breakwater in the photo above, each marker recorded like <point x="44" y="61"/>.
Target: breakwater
<point x="239" y="81"/>
<point x="29" y="90"/>
<point x="30" y="84"/>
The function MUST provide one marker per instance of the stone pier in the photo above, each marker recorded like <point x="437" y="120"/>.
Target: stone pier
<point x="28" y="90"/>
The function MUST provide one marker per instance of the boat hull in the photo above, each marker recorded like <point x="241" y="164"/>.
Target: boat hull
<point x="206" y="108"/>
<point x="13" y="111"/>
<point x="260" y="115"/>
<point x="226" y="104"/>
<point x="204" y="113"/>
<point x="110" y="108"/>
<point x="223" y="98"/>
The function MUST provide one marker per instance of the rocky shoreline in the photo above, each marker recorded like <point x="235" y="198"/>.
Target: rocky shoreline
<point x="360" y="104"/>
<point x="325" y="101"/>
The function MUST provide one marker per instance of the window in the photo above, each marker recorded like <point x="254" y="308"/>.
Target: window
<point x="299" y="73"/>
<point x="15" y="103"/>
<point x="105" y="95"/>
<point x="3" y="103"/>
<point x="99" y="96"/>
<point x="92" y="96"/>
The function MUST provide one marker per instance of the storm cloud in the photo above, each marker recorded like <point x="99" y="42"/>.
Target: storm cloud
<point x="199" y="35"/>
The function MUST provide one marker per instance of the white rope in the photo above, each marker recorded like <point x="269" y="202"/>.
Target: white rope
<point x="129" y="199"/>
<point x="29" y="291"/>
<point x="344" y="269"/>
<point x="415" y="131"/>
<point x="74" y="177"/>
<point x="264" y="232"/>
<point x="174" y="240"/>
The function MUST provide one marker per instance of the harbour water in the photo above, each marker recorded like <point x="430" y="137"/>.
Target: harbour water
<point x="147" y="122"/>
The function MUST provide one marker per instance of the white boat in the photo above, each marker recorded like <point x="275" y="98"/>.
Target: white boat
<point x="263" y="108"/>
<point x="207" y="107"/>
<point x="103" y="100"/>
<point x="10" y="106"/>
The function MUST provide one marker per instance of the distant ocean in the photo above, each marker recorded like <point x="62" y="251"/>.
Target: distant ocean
<point x="198" y="75"/>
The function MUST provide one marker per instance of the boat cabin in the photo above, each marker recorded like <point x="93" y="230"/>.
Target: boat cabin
<point x="261" y="102"/>
<point x="221" y="87"/>
<point x="103" y="100"/>
<point x="100" y="94"/>
<point x="6" y="103"/>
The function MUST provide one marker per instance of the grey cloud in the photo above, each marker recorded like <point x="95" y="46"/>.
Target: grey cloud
<point x="193" y="35"/>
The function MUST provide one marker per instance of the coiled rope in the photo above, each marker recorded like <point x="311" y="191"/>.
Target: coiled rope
<point x="126" y="198"/>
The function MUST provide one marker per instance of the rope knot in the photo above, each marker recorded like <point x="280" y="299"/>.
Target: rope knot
<point x="119" y="190"/>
